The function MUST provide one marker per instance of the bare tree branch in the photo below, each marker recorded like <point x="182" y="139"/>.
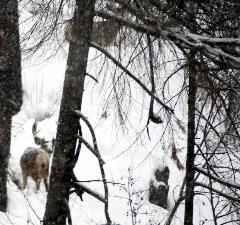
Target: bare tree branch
<point x="101" y="162"/>
<point x="219" y="180"/>
<point x="116" y="62"/>
<point x="230" y="197"/>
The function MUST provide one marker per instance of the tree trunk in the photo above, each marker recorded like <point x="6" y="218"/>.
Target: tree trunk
<point x="10" y="85"/>
<point x="189" y="195"/>
<point x="57" y="210"/>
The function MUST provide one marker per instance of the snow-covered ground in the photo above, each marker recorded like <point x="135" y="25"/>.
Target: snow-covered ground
<point x="130" y="164"/>
<point x="131" y="170"/>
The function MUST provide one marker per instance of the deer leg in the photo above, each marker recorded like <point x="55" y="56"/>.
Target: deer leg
<point x="46" y="183"/>
<point x="24" y="176"/>
<point x="37" y="184"/>
<point x="46" y="180"/>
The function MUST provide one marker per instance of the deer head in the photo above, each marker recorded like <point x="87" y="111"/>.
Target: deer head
<point x="48" y="146"/>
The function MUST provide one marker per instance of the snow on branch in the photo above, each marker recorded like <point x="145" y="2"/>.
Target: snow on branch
<point x="217" y="41"/>
<point x="185" y="40"/>
<point x="136" y="26"/>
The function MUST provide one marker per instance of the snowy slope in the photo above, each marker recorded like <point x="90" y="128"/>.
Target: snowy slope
<point x="130" y="170"/>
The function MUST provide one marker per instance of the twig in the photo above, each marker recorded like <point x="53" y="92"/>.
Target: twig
<point x="92" y="77"/>
<point x="117" y="63"/>
<point x="217" y="179"/>
<point x="98" y="180"/>
<point x="230" y="197"/>
<point x="151" y="116"/>
<point x="177" y="204"/>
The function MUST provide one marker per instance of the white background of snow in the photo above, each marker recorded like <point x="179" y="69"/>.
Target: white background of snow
<point x="48" y="82"/>
<point x="42" y="90"/>
<point x="41" y="86"/>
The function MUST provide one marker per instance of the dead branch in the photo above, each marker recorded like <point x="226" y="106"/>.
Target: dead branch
<point x="80" y="189"/>
<point x="90" y="148"/>
<point x="217" y="179"/>
<point x="117" y="63"/>
<point x="228" y="196"/>
<point x="80" y="115"/>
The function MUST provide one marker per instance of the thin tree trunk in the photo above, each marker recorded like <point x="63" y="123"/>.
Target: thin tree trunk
<point x="189" y="195"/>
<point x="57" y="210"/>
<point x="10" y="85"/>
<point x="5" y="137"/>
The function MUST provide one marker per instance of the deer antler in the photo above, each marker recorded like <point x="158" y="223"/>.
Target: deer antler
<point x="38" y="140"/>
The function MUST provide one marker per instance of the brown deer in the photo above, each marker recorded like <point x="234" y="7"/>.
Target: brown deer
<point x="104" y="32"/>
<point x="35" y="161"/>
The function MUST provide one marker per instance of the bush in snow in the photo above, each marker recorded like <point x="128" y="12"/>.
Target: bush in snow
<point x="158" y="191"/>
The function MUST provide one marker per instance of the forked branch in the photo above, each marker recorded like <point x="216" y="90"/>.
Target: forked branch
<point x="100" y="160"/>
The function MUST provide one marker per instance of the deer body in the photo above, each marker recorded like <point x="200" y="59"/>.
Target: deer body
<point x="34" y="162"/>
<point x="104" y="33"/>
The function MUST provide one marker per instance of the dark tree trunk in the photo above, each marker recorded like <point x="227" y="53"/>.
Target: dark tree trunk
<point x="189" y="195"/>
<point x="57" y="212"/>
<point x="10" y="85"/>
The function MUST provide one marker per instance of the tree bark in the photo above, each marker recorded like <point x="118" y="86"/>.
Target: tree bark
<point x="189" y="195"/>
<point x="57" y="210"/>
<point x="10" y="85"/>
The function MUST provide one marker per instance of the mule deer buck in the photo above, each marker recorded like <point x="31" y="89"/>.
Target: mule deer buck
<point x="35" y="161"/>
<point x="104" y="32"/>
